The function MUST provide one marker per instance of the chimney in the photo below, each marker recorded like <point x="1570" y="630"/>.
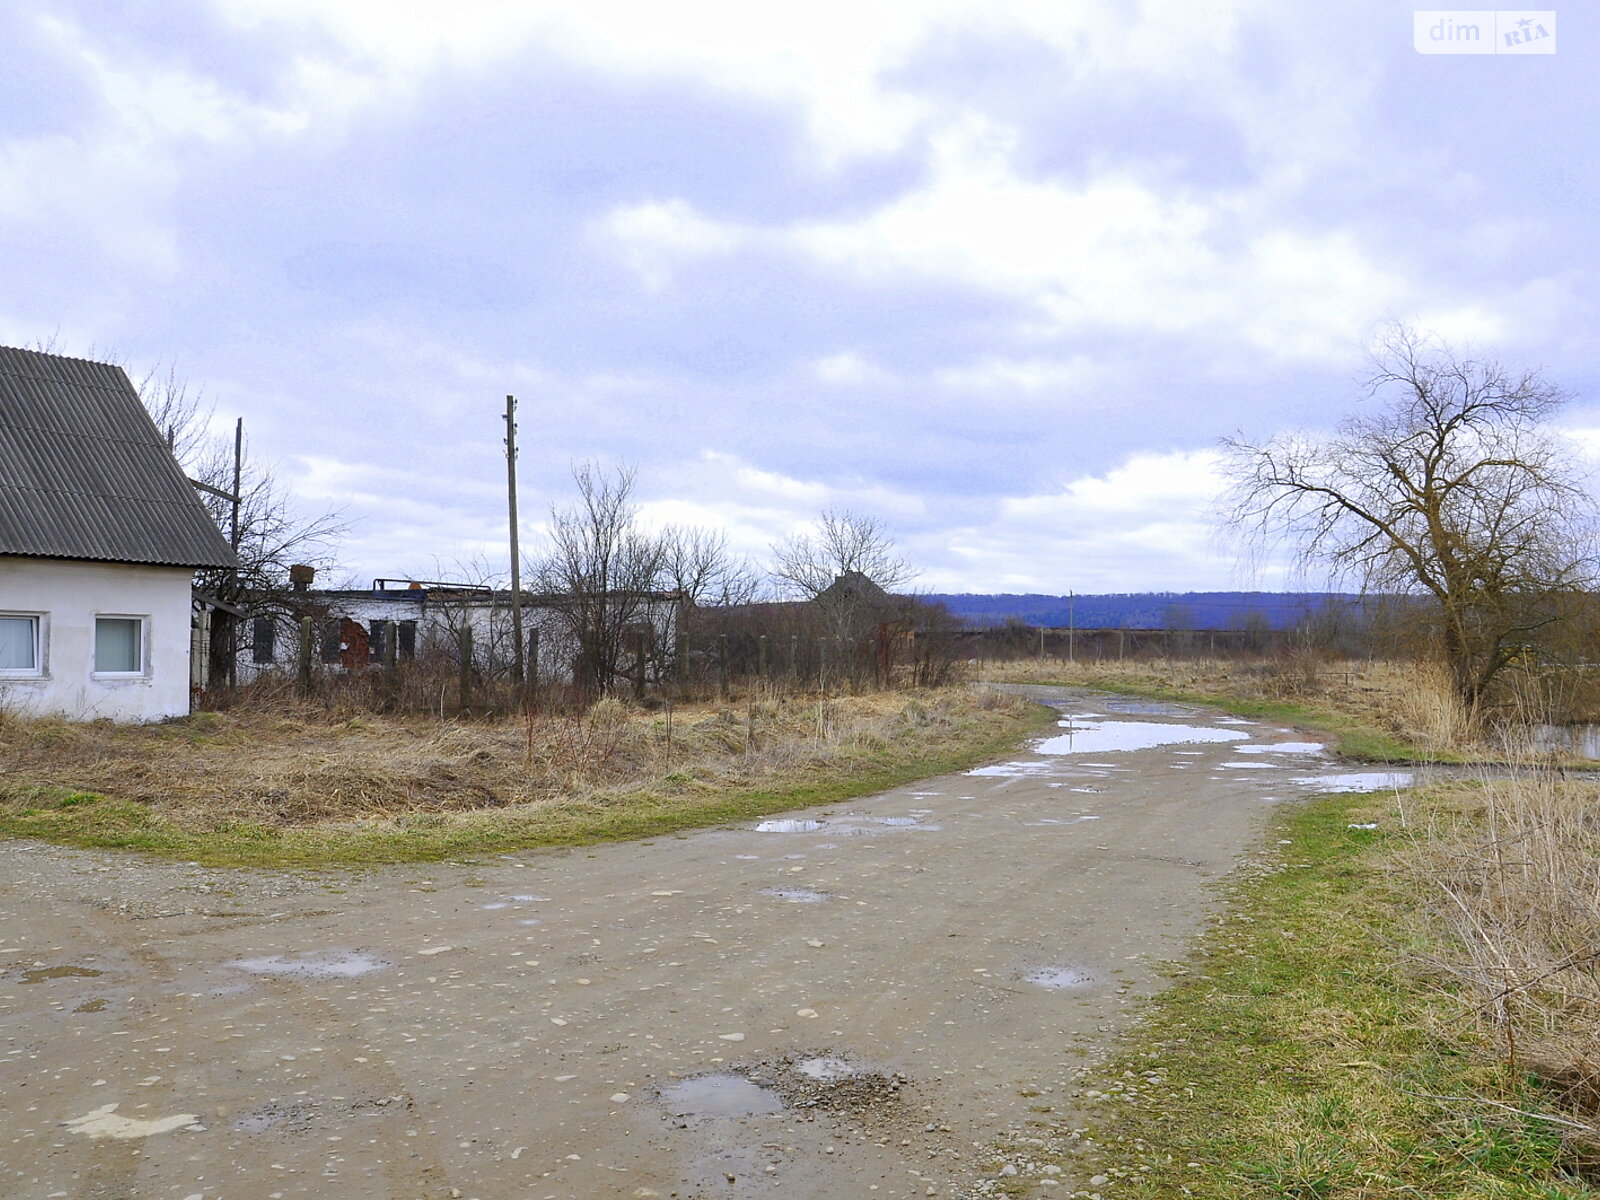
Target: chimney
<point x="301" y="576"/>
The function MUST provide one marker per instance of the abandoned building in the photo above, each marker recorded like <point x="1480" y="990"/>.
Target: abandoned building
<point x="401" y="620"/>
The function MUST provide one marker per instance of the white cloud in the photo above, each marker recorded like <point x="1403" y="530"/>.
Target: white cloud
<point x="1146" y="520"/>
<point x="656" y="238"/>
<point x="849" y="369"/>
<point x="1112" y="251"/>
<point x="997" y="374"/>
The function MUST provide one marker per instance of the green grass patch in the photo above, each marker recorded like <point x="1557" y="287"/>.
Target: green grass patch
<point x="675" y="802"/>
<point x="1298" y="1056"/>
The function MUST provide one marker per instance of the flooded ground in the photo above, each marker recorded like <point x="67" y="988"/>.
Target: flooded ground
<point x="855" y="1000"/>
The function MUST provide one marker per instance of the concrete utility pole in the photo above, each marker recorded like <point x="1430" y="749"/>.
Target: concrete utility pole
<point x="518" y="673"/>
<point x="1072" y="626"/>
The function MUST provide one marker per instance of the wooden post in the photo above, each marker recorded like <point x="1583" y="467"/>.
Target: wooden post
<point x="305" y="656"/>
<point x="794" y="658"/>
<point x="761" y="656"/>
<point x="722" y="664"/>
<point x="533" y="664"/>
<point x="466" y="666"/>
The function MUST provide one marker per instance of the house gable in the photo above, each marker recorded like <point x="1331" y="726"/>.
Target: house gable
<point x="85" y="474"/>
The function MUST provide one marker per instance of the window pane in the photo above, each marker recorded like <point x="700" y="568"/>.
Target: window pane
<point x="264" y="639"/>
<point x="117" y="644"/>
<point x="17" y="643"/>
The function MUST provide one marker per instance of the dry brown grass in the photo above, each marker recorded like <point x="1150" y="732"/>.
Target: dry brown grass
<point x="1508" y="872"/>
<point x="298" y="766"/>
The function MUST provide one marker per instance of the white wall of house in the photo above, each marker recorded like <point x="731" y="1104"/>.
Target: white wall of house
<point x="87" y="618"/>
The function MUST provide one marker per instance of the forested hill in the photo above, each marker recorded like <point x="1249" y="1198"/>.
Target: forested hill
<point x="1146" y="610"/>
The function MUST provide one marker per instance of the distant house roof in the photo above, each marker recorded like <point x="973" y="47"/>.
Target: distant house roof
<point x="84" y="473"/>
<point x="853" y="587"/>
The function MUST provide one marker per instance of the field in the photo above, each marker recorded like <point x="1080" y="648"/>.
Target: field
<point x="290" y="785"/>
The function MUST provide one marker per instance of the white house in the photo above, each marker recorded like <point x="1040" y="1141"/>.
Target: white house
<point x="100" y="534"/>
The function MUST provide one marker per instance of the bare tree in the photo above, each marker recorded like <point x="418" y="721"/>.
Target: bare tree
<point x="697" y="564"/>
<point x="1452" y="492"/>
<point x="842" y="544"/>
<point x="600" y="575"/>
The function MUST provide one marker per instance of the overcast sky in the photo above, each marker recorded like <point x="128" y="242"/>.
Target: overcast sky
<point x="998" y="274"/>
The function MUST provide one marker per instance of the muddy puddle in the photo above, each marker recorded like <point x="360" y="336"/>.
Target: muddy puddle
<point x="719" y="1097"/>
<point x="314" y="964"/>
<point x="1059" y="977"/>
<point x="1284" y="748"/>
<point x="1358" y="781"/>
<point x="290" y="1117"/>
<point x="795" y="895"/>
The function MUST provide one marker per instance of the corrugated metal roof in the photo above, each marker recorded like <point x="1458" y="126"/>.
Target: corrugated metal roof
<point x="84" y="473"/>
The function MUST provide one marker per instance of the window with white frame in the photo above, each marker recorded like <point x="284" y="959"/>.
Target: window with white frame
<point x="119" y="645"/>
<point x="19" y="644"/>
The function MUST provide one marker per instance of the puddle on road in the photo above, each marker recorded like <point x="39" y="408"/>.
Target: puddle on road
<point x="508" y="901"/>
<point x="1063" y="820"/>
<point x="103" y="1122"/>
<point x="1097" y="737"/>
<point x="1284" y="748"/>
<point x="1059" y="978"/>
<point x="795" y="895"/>
<point x="720" y="1096"/>
<point x="1361" y="781"/>
<point x="273" y="1115"/>
<point x="852" y="825"/>
<point x="1250" y="766"/>
<point x="314" y="964"/>
<point x="40" y="974"/>
<point x="1148" y="708"/>
<point x="1005" y="770"/>
<point x="827" y="1069"/>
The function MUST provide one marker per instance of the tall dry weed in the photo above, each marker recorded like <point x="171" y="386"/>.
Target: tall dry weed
<point x="1512" y="867"/>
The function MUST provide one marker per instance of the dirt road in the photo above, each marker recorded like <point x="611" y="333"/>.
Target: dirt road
<point x="852" y="1001"/>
